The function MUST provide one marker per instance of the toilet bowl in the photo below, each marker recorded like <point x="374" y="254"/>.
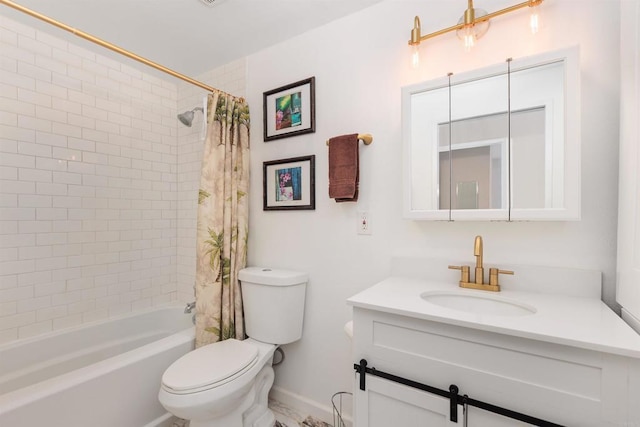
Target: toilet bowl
<point x="227" y="383"/>
<point x="217" y="384"/>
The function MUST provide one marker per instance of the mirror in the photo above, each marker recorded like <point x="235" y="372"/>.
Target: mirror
<point x="500" y="143"/>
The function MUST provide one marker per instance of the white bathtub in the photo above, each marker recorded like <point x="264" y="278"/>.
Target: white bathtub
<point x="101" y="374"/>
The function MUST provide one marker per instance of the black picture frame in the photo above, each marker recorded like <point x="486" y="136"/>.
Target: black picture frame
<point x="289" y="184"/>
<point x="290" y="110"/>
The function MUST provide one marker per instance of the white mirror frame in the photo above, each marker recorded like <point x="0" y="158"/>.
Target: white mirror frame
<point x="569" y="158"/>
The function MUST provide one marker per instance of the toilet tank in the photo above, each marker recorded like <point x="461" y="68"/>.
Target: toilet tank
<point x="273" y="304"/>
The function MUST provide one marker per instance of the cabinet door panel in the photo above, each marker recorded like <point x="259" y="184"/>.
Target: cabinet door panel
<point x="385" y="403"/>
<point x="480" y="418"/>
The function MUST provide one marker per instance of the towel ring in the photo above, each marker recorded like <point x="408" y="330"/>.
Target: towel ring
<point x="366" y="138"/>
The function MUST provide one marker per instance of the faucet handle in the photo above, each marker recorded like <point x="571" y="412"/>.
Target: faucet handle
<point x="493" y="275"/>
<point x="464" y="269"/>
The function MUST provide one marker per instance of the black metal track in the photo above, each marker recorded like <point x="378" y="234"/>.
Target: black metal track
<point x="452" y="394"/>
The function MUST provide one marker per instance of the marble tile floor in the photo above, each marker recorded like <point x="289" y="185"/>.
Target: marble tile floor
<point x="285" y="417"/>
<point x="288" y="417"/>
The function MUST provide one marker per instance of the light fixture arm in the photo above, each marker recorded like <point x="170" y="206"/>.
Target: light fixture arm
<point x="415" y="33"/>
<point x="469" y="14"/>
<point x="469" y="19"/>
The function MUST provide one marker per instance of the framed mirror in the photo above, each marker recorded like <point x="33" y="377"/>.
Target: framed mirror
<point x="499" y="143"/>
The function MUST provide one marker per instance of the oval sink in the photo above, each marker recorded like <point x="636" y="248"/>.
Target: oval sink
<point x="477" y="303"/>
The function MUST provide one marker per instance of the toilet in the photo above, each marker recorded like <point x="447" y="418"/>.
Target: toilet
<point x="227" y="383"/>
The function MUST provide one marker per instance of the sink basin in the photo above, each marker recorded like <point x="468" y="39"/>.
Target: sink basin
<point x="479" y="303"/>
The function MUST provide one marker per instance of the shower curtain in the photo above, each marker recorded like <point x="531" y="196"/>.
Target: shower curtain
<point x="222" y="220"/>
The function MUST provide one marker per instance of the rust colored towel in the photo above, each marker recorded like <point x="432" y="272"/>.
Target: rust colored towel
<point x="344" y="168"/>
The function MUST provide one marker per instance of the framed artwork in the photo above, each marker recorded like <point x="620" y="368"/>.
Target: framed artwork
<point x="290" y="110"/>
<point x="289" y="184"/>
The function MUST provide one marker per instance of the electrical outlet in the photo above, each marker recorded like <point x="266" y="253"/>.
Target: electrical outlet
<point x="364" y="223"/>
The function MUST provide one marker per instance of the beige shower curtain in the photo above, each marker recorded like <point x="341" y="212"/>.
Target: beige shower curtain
<point x="222" y="220"/>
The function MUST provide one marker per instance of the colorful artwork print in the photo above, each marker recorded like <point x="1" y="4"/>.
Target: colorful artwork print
<point x="289" y="111"/>
<point x="288" y="184"/>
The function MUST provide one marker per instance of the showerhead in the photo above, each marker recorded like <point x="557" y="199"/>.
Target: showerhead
<point x="186" y="118"/>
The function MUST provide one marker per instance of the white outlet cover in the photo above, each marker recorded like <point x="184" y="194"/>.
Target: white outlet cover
<point x="363" y="223"/>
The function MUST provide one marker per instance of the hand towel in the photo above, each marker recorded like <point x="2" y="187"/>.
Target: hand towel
<point x="344" y="168"/>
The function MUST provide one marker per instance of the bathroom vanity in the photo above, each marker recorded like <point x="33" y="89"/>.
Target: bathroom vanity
<point x="558" y="354"/>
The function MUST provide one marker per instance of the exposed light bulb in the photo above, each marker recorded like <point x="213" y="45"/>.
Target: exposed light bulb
<point x="534" y="18"/>
<point x="415" y="57"/>
<point x="468" y="37"/>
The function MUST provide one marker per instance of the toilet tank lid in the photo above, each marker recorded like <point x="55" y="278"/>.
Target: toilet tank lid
<point x="272" y="276"/>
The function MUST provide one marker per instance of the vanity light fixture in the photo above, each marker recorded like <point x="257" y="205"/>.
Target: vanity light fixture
<point x="473" y="24"/>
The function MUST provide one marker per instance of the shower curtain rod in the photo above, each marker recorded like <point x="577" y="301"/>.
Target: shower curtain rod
<point x="113" y="47"/>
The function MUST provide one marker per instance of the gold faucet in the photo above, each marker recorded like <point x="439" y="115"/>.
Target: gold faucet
<point x="465" y="279"/>
<point x="477" y="252"/>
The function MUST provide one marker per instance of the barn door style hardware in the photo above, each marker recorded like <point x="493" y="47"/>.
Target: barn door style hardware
<point x="453" y="394"/>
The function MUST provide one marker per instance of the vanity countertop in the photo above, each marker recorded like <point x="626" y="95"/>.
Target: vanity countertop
<point x="582" y="322"/>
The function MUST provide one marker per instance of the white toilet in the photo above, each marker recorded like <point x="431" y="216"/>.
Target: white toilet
<point x="226" y="384"/>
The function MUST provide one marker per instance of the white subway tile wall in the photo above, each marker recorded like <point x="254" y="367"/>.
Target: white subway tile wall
<point x="97" y="184"/>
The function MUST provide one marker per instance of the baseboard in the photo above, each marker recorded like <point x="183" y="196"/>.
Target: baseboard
<point x="306" y="406"/>
<point x="165" y="420"/>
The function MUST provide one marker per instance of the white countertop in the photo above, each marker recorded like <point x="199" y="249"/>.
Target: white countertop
<point x="583" y="322"/>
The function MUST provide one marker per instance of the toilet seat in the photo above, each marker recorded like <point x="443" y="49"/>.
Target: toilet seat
<point x="210" y="366"/>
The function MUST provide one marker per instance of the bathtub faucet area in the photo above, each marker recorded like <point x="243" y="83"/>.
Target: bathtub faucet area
<point x="189" y="307"/>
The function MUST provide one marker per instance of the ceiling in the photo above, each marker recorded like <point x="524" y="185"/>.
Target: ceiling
<point x="187" y="36"/>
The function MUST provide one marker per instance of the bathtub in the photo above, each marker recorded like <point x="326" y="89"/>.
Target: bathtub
<point x="100" y="374"/>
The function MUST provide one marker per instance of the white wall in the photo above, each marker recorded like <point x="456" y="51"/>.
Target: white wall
<point x="360" y="64"/>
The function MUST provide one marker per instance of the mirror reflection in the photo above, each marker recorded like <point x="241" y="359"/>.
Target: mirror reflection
<point x="479" y="154"/>
<point x="538" y="139"/>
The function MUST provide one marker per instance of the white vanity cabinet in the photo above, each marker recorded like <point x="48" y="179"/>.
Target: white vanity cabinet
<point x="553" y="379"/>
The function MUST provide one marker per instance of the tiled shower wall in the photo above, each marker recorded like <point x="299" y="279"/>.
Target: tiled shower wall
<point x="98" y="183"/>
<point x="88" y="211"/>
